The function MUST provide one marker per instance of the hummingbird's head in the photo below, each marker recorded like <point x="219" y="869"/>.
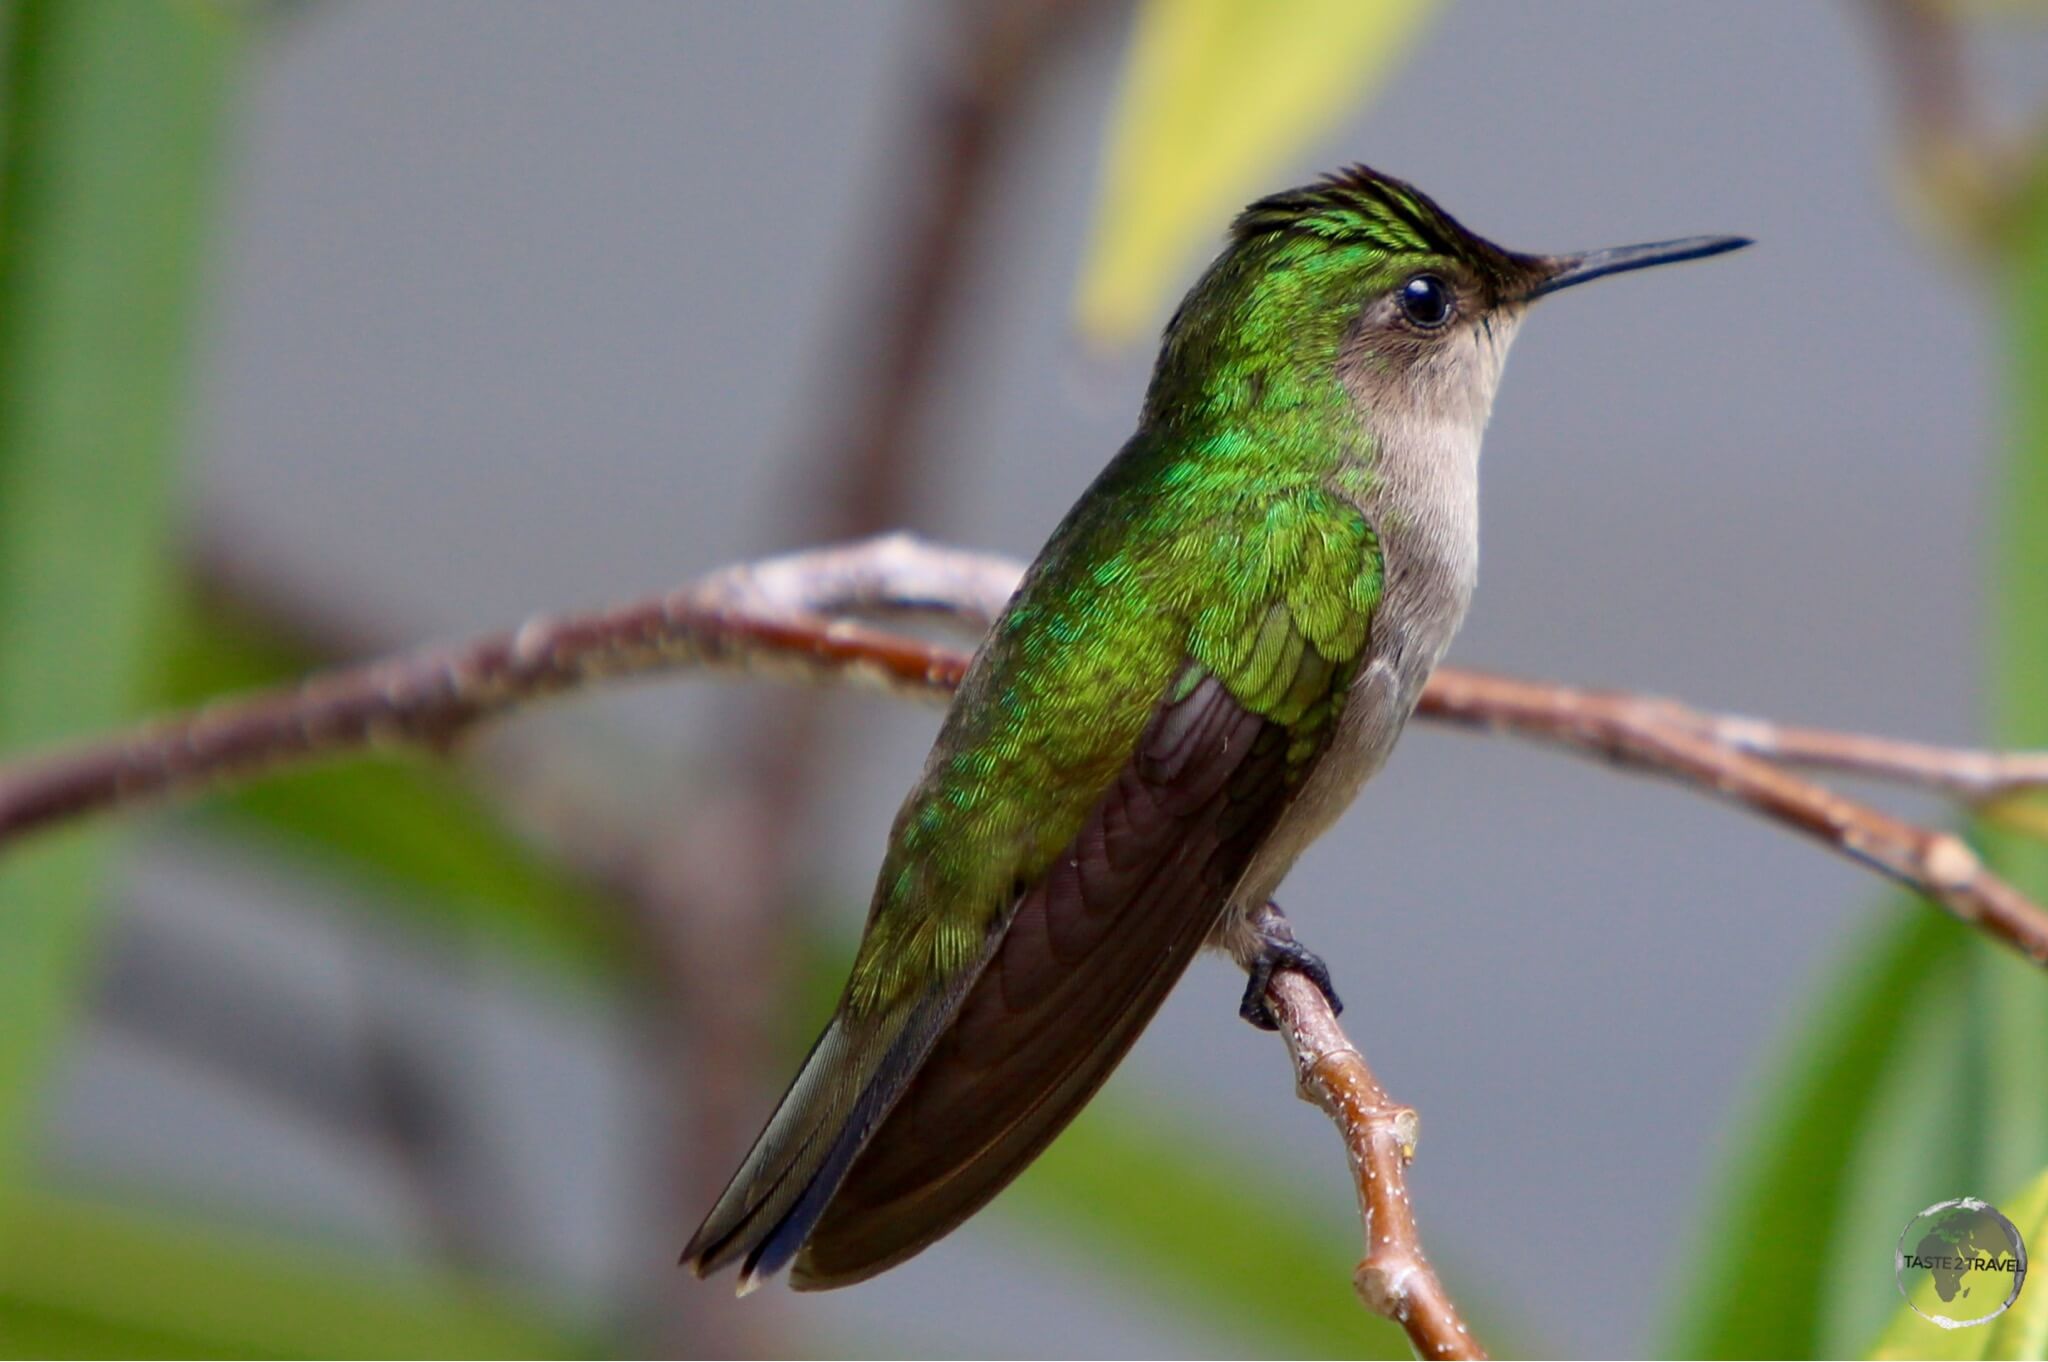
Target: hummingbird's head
<point x="1362" y="276"/>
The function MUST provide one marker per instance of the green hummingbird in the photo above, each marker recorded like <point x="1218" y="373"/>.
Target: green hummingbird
<point x="1218" y="645"/>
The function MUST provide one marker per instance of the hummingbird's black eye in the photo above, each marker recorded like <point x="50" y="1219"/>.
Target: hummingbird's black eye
<point x="1426" y="301"/>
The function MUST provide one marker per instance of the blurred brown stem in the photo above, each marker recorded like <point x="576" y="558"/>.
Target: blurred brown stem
<point x="1960" y="174"/>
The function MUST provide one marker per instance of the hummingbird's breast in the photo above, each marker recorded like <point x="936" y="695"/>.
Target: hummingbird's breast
<point x="1417" y="486"/>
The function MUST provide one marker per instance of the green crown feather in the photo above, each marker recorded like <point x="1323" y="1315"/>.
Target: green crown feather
<point x="1360" y="205"/>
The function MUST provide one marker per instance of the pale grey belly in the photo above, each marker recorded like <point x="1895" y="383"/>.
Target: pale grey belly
<point x="1405" y="649"/>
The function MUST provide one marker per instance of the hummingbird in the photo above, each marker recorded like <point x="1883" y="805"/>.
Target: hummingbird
<point x="1218" y="645"/>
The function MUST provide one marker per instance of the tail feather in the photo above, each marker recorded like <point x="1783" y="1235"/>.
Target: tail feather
<point x="792" y="1167"/>
<point x="788" y="1233"/>
<point x="846" y="1087"/>
<point x="780" y="1164"/>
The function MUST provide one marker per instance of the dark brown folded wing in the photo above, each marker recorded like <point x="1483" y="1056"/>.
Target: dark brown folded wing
<point x="1090" y="954"/>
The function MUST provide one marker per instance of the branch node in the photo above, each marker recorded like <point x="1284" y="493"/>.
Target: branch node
<point x="1951" y="865"/>
<point x="1384" y="1288"/>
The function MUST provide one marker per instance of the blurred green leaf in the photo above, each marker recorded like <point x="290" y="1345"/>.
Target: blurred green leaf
<point x="1793" y="1180"/>
<point x="82" y="1279"/>
<point x="1215" y="93"/>
<point x="404" y="827"/>
<point x="1912" y="1148"/>
<point x="2019" y="582"/>
<point x="110" y="123"/>
<point x="2016" y="1036"/>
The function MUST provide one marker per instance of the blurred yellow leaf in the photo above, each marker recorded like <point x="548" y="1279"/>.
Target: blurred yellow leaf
<point x="1995" y="9"/>
<point x="1215" y="93"/>
<point x="2026" y="814"/>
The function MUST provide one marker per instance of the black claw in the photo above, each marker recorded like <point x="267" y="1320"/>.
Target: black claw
<point x="1279" y="950"/>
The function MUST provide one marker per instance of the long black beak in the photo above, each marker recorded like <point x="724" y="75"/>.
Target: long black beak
<point x="1566" y="270"/>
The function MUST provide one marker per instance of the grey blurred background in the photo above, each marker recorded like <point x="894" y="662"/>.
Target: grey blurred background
<point x="529" y="306"/>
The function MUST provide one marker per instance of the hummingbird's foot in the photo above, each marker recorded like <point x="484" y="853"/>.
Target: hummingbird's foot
<point x="1276" y="949"/>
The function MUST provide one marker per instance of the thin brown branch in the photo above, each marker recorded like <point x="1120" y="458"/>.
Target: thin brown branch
<point x="1970" y="774"/>
<point x="1394" y="1279"/>
<point x="786" y="619"/>
<point x="1644" y="734"/>
<point x="432" y="697"/>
